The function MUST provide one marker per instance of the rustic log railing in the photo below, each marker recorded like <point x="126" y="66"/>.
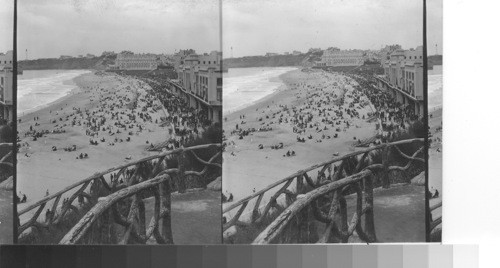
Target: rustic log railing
<point x="9" y="147"/>
<point x="150" y="176"/>
<point x="437" y="221"/>
<point x="6" y="161"/>
<point x="323" y="197"/>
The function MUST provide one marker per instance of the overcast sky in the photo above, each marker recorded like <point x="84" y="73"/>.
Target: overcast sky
<point x="434" y="26"/>
<point x="254" y="27"/>
<point x="50" y="28"/>
<point x="6" y="25"/>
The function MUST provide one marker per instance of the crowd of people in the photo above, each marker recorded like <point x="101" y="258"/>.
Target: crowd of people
<point x="394" y="116"/>
<point x="186" y="122"/>
<point x="118" y="110"/>
<point x="322" y="106"/>
<point x="329" y="108"/>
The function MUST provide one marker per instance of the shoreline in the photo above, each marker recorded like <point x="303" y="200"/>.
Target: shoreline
<point x="242" y="156"/>
<point x="71" y="81"/>
<point x="40" y="168"/>
<point x="265" y="97"/>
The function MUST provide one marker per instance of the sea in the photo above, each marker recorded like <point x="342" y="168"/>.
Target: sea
<point x="435" y="88"/>
<point x="245" y="86"/>
<point x="38" y="88"/>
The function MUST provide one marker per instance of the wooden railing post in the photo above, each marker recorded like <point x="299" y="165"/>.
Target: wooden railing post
<point x="342" y="216"/>
<point x="385" y="164"/>
<point x="300" y="184"/>
<point x="166" y="225"/>
<point x="141" y="216"/>
<point x="103" y="231"/>
<point x="181" y="182"/>
<point x="94" y="191"/>
<point x="369" y="214"/>
<point x="303" y="216"/>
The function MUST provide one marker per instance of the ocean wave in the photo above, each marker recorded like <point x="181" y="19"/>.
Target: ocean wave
<point x="245" y="86"/>
<point x="39" y="88"/>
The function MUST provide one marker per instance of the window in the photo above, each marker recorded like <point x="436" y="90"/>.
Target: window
<point x="219" y="93"/>
<point x="219" y="81"/>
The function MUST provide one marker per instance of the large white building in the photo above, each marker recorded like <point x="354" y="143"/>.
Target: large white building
<point x="200" y="79"/>
<point x="334" y="57"/>
<point x="129" y="61"/>
<point x="6" y="87"/>
<point x="404" y="75"/>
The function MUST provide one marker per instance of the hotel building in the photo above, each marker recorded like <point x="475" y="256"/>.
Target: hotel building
<point x="6" y="87"/>
<point x="334" y="57"/>
<point x="404" y="76"/>
<point x="200" y="82"/>
<point x="128" y="61"/>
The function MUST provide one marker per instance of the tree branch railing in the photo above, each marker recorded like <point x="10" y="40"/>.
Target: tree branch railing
<point x="5" y="161"/>
<point x="122" y="188"/>
<point x="437" y="221"/>
<point x="323" y="197"/>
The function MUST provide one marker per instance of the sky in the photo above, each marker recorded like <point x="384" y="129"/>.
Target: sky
<point x="254" y="27"/>
<point x="50" y="28"/>
<point x="6" y="25"/>
<point x="434" y="27"/>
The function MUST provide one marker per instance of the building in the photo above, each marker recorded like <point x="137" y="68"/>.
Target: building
<point x="404" y="76"/>
<point x="90" y="56"/>
<point x="6" y="87"/>
<point x="334" y="57"/>
<point x="178" y="58"/>
<point x="312" y="50"/>
<point x="287" y="53"/>
<point x="130" y="61"/>
<point x="6" y="59"/>
<point x="295" y="52"/>
<point x="64" y="57"/>
<point x="200" y="83"/>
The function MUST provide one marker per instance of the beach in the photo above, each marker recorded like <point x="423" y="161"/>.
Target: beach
<point x="248" y="169"/>
<point x="436" y="130"/>
<point x="113" y="111"/>
<point x="245" y="86"/>
<point x="39" y="88"/>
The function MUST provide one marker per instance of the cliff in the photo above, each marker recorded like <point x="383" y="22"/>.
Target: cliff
<point x="306" y="59"/>
<point x="435" y="60"/>
<point x="97" y="63"/>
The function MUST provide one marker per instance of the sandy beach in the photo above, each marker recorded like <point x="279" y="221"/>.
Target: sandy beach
<point x="313" y="93"/>
<point x="436" y="157"/>
<point x="103" y="103"/>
